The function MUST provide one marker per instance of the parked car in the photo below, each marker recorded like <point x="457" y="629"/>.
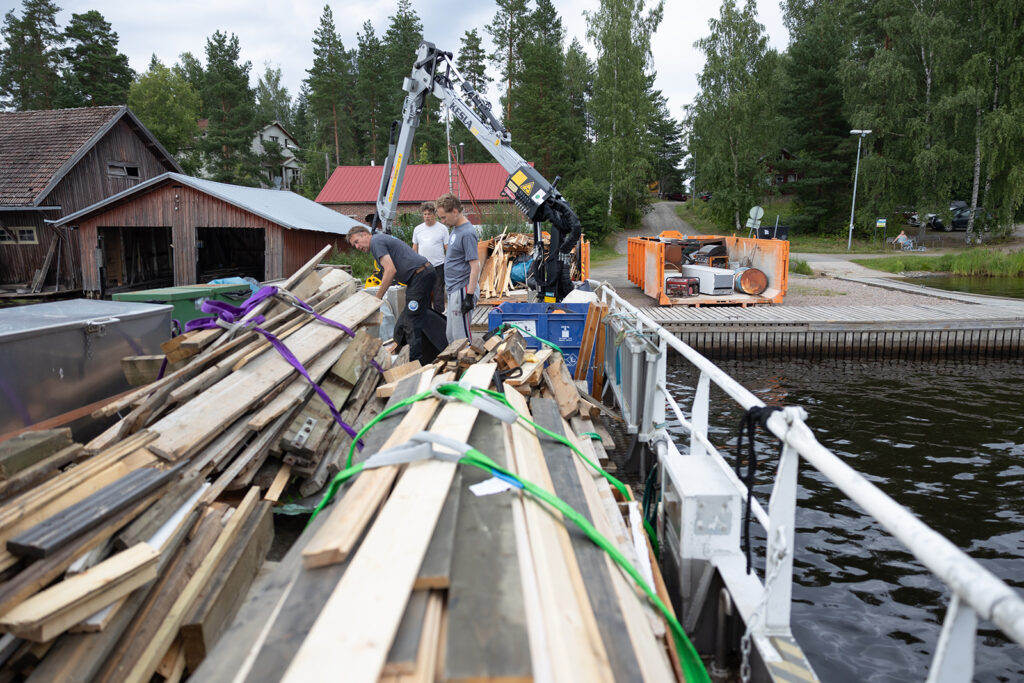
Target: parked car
<point x="961" y="216"/>
<point x="705" y="196"/>
<point x="677" y="196"/>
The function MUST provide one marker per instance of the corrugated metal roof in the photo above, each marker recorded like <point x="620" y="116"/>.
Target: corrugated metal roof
<point x="287" y="209"/>
<point x="422" y="182"/>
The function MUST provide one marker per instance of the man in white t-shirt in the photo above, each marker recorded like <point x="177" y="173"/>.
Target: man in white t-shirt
<point x="430" y="240"/>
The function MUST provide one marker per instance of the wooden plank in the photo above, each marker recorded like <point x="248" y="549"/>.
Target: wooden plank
<point x="45" y="538"/>
<point x="435" y="572"/>
<point x="587" y="343"/>
<point x="560" y="382"/>
<point x="42" y="470"/>
<point x="382" y="574"/>
<point x="148" y="659"/>
<point x="485" y="599"/>
<point x="397" y="373"/>
<point x="575" y="650"/>
<point x="220" y="600"/>
<point x="357" y="356"/>
<point x="46" y="615"/>
<point x="405" y="648"/>
<point x="592" y="561"/>
<point x="298" y="389"/>
<point x="193" y="425"/>
<point x="31" y="448"/>
<point x="150" y="521"/>
<point x="284" y="475"/>
<point x="142" y="370"/>
<point x="532" y="368"/>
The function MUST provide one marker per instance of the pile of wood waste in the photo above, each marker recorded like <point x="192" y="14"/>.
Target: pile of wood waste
<point x="504" y="252"/>
<point x="141" y="554"/>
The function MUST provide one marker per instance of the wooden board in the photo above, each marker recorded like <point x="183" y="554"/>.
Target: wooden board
<point x="220" y="600"/>
<point x="436" y="570"/>
<point x="593" y="565"/>
<point x="46" y="615"/>
<point x="402" y="655"/>
<point x="573" y="650"/>
<point x="25" y="450"/>
<point x="382" y="573"/>
<point x="587" y="343"/>
<point x="561" y="384"/>
<point x="485" y="599"/>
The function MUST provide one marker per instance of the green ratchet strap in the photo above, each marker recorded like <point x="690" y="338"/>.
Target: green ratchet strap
<point x="594" y="436"/>
<point x="504" y="326"/>
<point x="419" y="447"/>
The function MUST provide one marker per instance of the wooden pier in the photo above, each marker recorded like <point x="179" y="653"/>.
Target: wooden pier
<point x="967" y="327"/>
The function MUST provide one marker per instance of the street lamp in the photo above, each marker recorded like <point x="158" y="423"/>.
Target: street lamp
<point x="861" y="133"/>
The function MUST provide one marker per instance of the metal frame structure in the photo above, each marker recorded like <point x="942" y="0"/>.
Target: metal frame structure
<point x="699" y="524"/>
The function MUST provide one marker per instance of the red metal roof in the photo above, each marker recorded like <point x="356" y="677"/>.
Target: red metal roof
<point x="422" y="182"/>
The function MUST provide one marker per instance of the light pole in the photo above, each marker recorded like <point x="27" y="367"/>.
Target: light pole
<point x="853" y="204"/>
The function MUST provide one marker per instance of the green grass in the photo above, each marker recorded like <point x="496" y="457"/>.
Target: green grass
<point x="835" y="244"/>
<point x="361" y="262"/>
<point x="600" y="253"/>
<point x="972" y="262"/>
<point x="800" y="267"/>
<point x="694" y="212"/>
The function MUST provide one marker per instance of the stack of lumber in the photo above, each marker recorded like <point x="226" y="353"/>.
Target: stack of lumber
<point x="130" y="555"/>
<point x="416" y="573"/>
<point x="496" y="275"/>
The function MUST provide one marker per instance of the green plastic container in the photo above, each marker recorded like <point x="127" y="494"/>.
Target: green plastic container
<point x="187" y="299"/>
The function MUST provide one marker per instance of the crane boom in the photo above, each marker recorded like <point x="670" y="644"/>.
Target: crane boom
<point x="434" y="73"/>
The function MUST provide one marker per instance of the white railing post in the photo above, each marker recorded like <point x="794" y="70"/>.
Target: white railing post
<point x="954" y="655"/>
<point x="781" y="524"/>
<point x="699" y="419"/>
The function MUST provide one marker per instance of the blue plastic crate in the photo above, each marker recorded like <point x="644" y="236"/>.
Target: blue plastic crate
<point x="560" y="324"/>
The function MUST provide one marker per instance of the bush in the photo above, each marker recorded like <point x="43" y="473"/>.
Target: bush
<point x="800" y="267"/>
<point x="591" y="206"/>
<point x="361" y="262"/>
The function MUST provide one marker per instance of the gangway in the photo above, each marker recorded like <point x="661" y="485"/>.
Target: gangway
<point x="701" y="517"/>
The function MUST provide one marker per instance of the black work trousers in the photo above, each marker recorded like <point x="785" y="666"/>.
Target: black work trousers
<point x="417" y="300"/>
<point x="438" y="297"/>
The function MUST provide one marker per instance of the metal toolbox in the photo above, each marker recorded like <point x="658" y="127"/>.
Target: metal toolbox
<point x="59" y="356"/>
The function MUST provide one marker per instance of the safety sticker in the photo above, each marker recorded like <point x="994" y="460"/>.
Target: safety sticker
<point x="518" y="178"/>
<point x="528" y="187"/>
<point x="414" y="305"/>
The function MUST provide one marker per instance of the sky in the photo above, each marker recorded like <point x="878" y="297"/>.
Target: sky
<point x="281" y="33"/>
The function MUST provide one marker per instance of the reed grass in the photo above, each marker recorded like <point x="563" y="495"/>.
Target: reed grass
<point x="981" y="262"/>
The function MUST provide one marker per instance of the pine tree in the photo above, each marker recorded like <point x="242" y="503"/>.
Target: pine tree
<point x="330" y="83"/>
<point x="30" y="60"/>
<point x="621" y="106"/>
<point x="230" y="108"/>
<point x="579" y="89"/>
<point x="273" y="103"/>
<point x="370" y="86"/>
<point x="101" y="74"/>
<point x="539" y="106"/>
<point x="167" y="105"/>
<point x="507" y="30"/>
<point x="472" y="61"/>
<point x="665" y="136"/>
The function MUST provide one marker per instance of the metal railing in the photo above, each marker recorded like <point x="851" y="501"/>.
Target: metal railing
<point x="975" y="590"/>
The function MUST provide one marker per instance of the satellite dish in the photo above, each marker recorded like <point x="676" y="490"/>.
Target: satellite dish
<point x="756" y="213"/>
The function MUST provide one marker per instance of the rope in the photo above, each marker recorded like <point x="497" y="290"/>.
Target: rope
<point x="757" y="415"/>
<point x="505" y="326"/>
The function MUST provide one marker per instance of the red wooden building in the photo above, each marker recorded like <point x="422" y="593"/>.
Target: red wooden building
<point x="175" y="229"/>
<point x="53" y="163"/>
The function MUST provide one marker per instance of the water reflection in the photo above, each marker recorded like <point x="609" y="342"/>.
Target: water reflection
<point x="944" y="439"/>
<point x="973" y="284"/>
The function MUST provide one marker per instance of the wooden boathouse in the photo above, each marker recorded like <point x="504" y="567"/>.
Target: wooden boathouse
<point x="180" y="230"/>
<point x="54" y="163"/>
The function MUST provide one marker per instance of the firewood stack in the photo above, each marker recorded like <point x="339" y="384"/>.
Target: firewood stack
<point x="129" y="555"/>
<point x="496" y="275"/>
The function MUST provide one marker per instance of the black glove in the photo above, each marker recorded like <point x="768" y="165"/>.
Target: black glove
<point x="468" y="303"/>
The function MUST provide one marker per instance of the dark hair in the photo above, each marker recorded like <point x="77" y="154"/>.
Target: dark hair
<point x="428" y="206"/>
<point x="355" y="230"/>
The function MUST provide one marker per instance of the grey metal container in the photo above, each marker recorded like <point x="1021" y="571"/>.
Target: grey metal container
<point x="59" y="356"/>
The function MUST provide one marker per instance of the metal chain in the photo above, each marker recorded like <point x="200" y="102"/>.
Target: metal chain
<point x="755" y="619"/>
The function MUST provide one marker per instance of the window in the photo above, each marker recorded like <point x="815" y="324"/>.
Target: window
<point x="273" y="138"/>
<point x="123" y="170"/>
<point x="20" y="235"/>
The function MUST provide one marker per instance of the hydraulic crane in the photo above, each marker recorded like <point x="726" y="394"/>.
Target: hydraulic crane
<point x="434" y="72"/>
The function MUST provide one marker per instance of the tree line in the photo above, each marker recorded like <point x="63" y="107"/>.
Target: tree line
<point x="937" y="82"/>
<point x="598" y="124"/>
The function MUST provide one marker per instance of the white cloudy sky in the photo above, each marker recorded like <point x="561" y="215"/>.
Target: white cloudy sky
<point x="281" y="32"/>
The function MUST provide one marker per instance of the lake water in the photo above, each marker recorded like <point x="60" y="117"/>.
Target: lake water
<point x="944" y="439"/>
<point x="992" y="286"/>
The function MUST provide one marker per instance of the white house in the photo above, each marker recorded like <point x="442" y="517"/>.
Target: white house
<point x="288" y="173"/>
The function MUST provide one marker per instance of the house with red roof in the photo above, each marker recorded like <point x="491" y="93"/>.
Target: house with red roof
<point x="352" y="190"/>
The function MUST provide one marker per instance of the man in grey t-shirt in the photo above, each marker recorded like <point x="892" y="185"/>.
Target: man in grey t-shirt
<point x="461" y="266"/>
<point x="398" y="260"/>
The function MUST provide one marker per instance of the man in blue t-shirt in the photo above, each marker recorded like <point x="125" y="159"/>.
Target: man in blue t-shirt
<point x="461" y="266"/>
<point x="398" y="261"/>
